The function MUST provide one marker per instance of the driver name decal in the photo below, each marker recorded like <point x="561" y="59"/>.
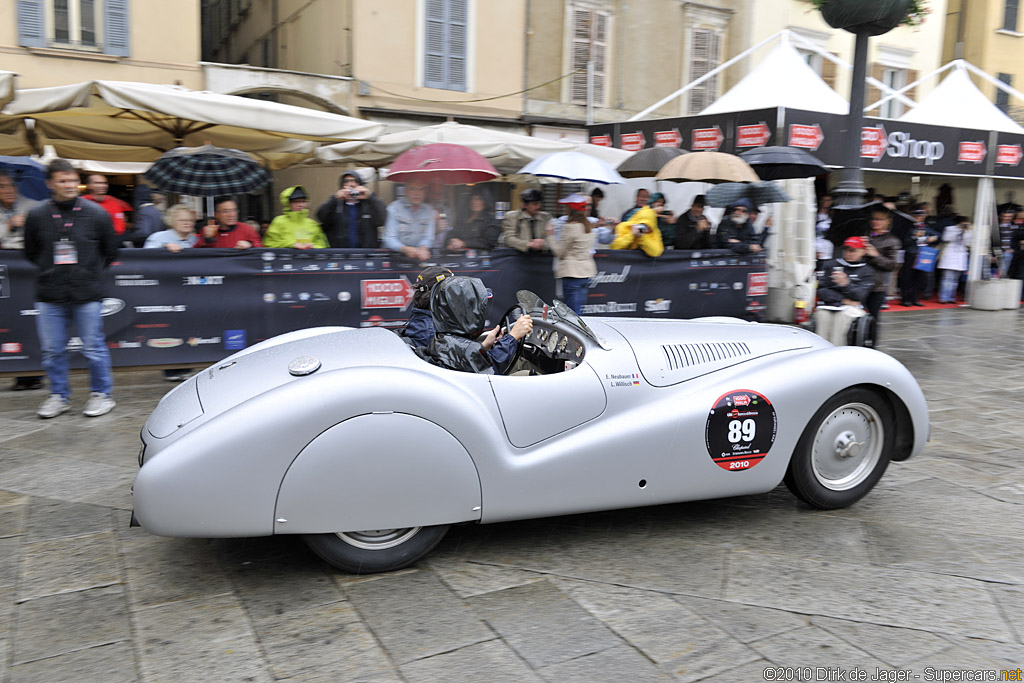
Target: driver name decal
<point x="630" y="380"/>
<point x="740" y="430"/>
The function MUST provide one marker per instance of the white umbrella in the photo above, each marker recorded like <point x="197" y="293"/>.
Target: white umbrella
<point x="508" y="152"/>
<point x="573" y="167"/>
<point x="109" y="116"/>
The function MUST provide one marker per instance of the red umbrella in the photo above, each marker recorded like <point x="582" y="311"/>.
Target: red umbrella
<point x="442" y="162"/>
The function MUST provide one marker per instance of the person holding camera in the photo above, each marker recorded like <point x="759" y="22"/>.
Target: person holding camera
<point x="351" y="218"/>
<point x="736" y="232"/>
<point x="666" y="218"/>
<point x="640" y="231"/>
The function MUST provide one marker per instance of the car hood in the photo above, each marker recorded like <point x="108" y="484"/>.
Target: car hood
<point x="273" y="363"/>
<point x="673" y="351"/>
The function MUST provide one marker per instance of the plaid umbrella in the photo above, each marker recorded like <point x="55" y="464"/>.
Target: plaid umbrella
<point x="647" y="162"/>
<point x="207" y="171"/>
<point x="726" y="194"/>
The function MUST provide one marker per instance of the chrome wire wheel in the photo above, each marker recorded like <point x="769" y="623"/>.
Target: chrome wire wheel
<point x="378" y="539"/>
<point x="847" y="446"/>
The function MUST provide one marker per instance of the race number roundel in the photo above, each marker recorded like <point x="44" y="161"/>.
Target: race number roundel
<point x="740" y="430"/>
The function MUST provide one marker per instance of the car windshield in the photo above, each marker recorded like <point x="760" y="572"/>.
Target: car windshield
<point x="558" y="310"/>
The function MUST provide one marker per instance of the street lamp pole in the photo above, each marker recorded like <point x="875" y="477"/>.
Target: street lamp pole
<point x="850" y="189"/>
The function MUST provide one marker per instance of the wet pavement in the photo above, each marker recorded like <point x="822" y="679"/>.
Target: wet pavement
<point x="925" y="572"/>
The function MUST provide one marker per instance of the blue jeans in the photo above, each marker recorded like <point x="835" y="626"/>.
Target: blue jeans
<point x="574" y="289"/>
<point x="52" y="325"/>
<point x="949" y="285"/>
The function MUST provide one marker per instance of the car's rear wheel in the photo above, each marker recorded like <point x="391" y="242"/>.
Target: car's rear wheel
<point x="376" y="550"/>
<point x="843" y="451"/>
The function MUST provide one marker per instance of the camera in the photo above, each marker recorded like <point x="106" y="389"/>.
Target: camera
<point x="353" y="193"/>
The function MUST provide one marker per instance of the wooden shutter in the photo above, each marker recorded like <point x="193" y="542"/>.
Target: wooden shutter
<point x="1010" y="15"/>
<point x="828" y="71"/>
<point x="704" y="56"/>
<point x="433" y="75"/>
<point x="116" y="28"/>
<point x="458" y="18"/>
<point x="31" y="23"/>
<point x="876" y="71"/>
<point x="446" y="43"/>
<point x="911" y="76"/>
<point x="589" y="43"/>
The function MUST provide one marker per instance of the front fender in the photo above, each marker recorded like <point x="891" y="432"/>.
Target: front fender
<point x="383" y="470"/>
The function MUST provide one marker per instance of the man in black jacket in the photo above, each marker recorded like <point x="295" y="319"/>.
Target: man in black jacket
<point x="351" y="218"/>
<point x="843" y="287"/>
<point x="71" y="241"/>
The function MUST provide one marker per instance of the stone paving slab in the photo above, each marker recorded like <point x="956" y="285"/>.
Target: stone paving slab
<point x="925" y="571"/>
<point x="58" y="624"/>
<point x="542" y="624"/>
<point x="415" y="615"/>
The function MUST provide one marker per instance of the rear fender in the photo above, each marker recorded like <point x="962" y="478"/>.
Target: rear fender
<point x="378" y="471"/>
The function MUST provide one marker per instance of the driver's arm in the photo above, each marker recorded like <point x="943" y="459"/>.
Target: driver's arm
<point x="504" y="349"/>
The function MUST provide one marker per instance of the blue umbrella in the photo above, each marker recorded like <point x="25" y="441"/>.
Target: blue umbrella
<point x="29" y="175"/>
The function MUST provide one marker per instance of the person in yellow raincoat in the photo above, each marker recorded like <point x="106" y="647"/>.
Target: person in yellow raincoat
<point x="640" y="232"/>
<point x="294" y="227"/>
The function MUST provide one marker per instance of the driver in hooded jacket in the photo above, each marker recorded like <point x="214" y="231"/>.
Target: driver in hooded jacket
<point x="458" y="306"/>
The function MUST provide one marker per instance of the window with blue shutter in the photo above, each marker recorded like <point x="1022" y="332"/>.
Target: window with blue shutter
<point x="92" y="25"/>
<point x="117" y="36"/>
<point x="446" y="39"/>
<point x="31" y="23"/>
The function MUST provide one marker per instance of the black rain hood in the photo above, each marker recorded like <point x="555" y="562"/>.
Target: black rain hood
<point x="459" y="306"/>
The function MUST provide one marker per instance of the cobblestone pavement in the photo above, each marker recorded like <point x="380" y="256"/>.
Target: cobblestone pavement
<point x="926" y="571"/>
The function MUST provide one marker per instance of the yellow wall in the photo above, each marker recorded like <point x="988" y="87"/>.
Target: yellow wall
<point x="171" y="60"/>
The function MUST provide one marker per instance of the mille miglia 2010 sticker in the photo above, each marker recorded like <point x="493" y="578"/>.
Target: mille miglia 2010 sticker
<point x="740" y="430"/>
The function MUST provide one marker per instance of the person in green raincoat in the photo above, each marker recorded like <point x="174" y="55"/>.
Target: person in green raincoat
<point x="294" y="228"/>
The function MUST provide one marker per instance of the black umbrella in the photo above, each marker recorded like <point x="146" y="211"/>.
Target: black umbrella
<point x="779" y="163"/>
<point x="855" y="221"/>
<point x="647" y="162"/>
<point x="207" y="171"/>
<point x="727" y="194"/>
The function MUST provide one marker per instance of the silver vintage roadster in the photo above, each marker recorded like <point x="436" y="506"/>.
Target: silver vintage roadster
<point x="351" y="439"/>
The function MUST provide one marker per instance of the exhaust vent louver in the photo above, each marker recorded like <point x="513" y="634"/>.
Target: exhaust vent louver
<point x="678" y="356"/>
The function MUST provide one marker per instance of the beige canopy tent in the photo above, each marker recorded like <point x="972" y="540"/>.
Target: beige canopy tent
<point x="124" y="121"/>
<point x="507" y="151"/>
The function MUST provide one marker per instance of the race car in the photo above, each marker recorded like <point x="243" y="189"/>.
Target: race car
<point x="355" y="441"/>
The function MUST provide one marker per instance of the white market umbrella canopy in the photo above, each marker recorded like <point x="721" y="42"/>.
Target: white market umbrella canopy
<point x="957" y="102"/>
<point x="508" y="152"/>
<point x="781" y="79"/>
<point x="572" y="167"/>
<point x="6" y="87"/>
<point x="109" y="116"/>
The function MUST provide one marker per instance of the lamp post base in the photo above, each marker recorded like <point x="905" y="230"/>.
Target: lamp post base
<point x="850" y="191"/>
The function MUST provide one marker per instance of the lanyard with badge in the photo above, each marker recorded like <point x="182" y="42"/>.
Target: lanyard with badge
<point x="64" y="251"/>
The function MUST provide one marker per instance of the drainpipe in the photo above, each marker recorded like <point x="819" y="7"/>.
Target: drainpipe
<point x="958" y="49"/>
<point x="273" y="33"/>
<point x="526" y="64"/>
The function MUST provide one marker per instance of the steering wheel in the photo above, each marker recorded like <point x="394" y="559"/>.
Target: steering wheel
<point x="507" y="321"/>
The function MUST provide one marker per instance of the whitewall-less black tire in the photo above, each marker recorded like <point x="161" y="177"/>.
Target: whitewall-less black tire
<point x="844" y="449"/>
<point x="376" y="550"/>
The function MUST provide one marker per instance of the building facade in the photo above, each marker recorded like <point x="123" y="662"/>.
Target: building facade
<point x="57" y="42"/>
<point x="991" y="37"/>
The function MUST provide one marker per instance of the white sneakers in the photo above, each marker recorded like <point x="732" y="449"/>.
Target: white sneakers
<point x="55" y="404"/>
<point x="98" y="404"/>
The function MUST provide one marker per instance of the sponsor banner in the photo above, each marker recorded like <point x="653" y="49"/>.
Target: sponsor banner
<point x="1009" y="155"/>
<point x="211" y="303"/>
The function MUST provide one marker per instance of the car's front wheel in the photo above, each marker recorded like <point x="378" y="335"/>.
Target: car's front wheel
<point x="376" y="550"/>
<point x="843" y="451"/>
